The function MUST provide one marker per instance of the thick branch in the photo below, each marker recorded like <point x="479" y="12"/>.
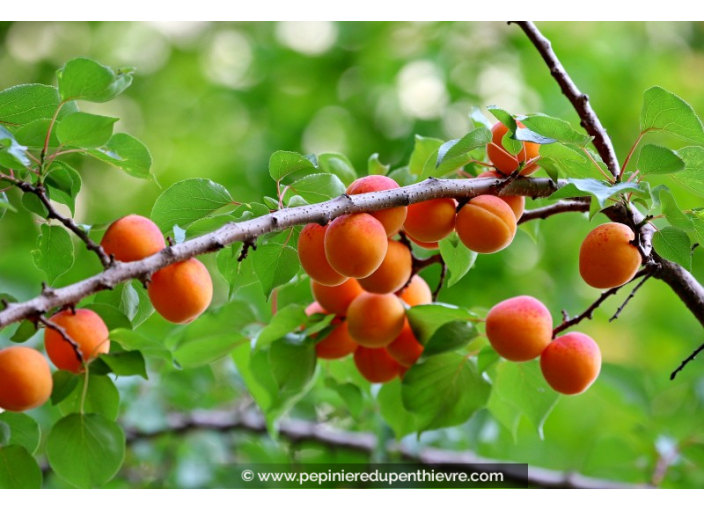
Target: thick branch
<point x="580" y="101"/>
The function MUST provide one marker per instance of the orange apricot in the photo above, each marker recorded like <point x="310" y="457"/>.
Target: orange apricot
<point x="25" y="379"/>
<point x="311" y="253"/>
<point x="607" y="258"/>
<point x="376" y="365"/>
<point x="338" y="343"/>
<point x="516" y="203"/>
<point x="505" y="162"/>
<point x="486" y="224"/>
<point x="416" y="292"/>
<point x="405" y="349"/>
<point x="520" y="328"/>
<point x="375" y="320"/>
<point x="393" y="218"/>
<point x="571" y="363"/>
<point x="132" y="238"/>
<point x="182" y="291"/>
<point x="336" y="299"/>
<point x="86" y="329"/>
<point x="393" y="273"/>
<point x="355" y="244"/>
<point x="427" y="246"/>
<point x="432" y="220"/>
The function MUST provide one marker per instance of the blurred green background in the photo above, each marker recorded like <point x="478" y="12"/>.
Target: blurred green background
<point x="214" y="100"/>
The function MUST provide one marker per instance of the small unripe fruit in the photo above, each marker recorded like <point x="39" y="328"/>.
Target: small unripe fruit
<point x="25" y="379"/>
<point x="182" y="291"/>
<point x="375" y="320"/>
<point x="516" y="203"/>
<point x="571" y="363"/>
<point x="486" y="224"/>
<point x="311" y="253"/>
<point x="392" y="219"/>
<point x="376" y="365"/>
<point x="86" y="329"/>
<point x="432" y="220"/>
<point x="355" y="245"/>
<point x="393" y="273"/>
<point x="520" y="328"/>
<point x="132" y="238"/>
<point x="405" y="349"/>
<point x="607" y="258"/>
<point x="504" y="161"/>
<point x="336" y="299"/>
<point x="416" y="292"/>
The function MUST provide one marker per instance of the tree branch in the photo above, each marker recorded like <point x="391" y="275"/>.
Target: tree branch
<point x="686" y="361"/>
<point x="562" y="206"/>
<point x="64" y="334"/>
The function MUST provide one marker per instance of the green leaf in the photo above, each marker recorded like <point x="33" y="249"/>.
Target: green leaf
<point x="283" y="163"/>
<point x="64" y="184"/>
<point x="34" y="133"/>
<point x="23" y="104"/>
<point x="673" y="213"/>
<point x="126" y="152"/>
<point x="292" y="366"/>
<point x="82" y="78"/>
<point x="423" y="150"/>
<point x="102" y="397"/>
<point x="600" y="190"/>
<point x="5" y="204"/>
<point x="126" y="363"/>
<point x="457" y="256"/>
<point x="520" y="389"/>
<point x="12" y="154"/>
<point x="568" y="161"/>
<point x="24" y="431"/>
<point x="85" y="130"/>
<point x="401" y="421"/>
<point x="403" y="176"/>
<point x="376" y="167"/>
<point x="188" y="201"/>
<point x="149" y="347"/>
<point x="504" y="117"/>
<point x="254" y="371"/>
<point x="287" y="319"/>
<point x="444" y="390"/>
<point x="350" y="394"/>
<point x="338" y="164"/>
<point x="425" y="320"/>
<point x="113" y="317"/>
<point x="692" y="179"/>
<point x="510" y="143"/>
<point x="24" y="332"/>
<point x="274" y="265"/>
<point x="449" y="337"/>
<point x="64" y="384"/>
<point x="316" y="188"/>
<point x="487" y="358"/>
<point x="555" y="129"/>
<point x="456" y="153"/>
<point x="86" y="450"/>
<point x="673" y="244"/>
<point x="18" y="469"/>
<point x="664" y="111"/>
<point x="54" y="253"/>
<point x="698" y="223"/>
<point x="654" y="159"/>
<point x="31" y="202"/>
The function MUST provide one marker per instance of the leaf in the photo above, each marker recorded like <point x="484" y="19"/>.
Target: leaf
<point x="24" y="332"/>
<point x="673" y="244"/>
<point x="24" y="430"/>
<point x="188" y="201"/>
<point x="83" y="78"/>
<point x="12" y="154"/>
<point x="34" y="133"/>
<point x="23" y="104"/>
<point x="86" y="450"/>
<point x="455" y="153"/>
<point x="338" y="164"/>
<point x="101" y="397"/>
<point x="698" y="223"/>
<point x="555" y="129"/>
<point x="18" y="469"/>
<point x="113" y="317"/>
<point x="504" y="117"/>
<point x="443" y="391"/>
<point x="274" y="265"/>
<point x="568" y="161"/>
<point x="292" y="366"/>
<point x="283" y="163"/>
<point x="376" y="167"/>
<point x="424" y="148"/>
<point x="254" y="371"/>
<point x="31" y="202"/>
<point x="64" y="184"/>
<point x="655" y="160"/>
<point x="5" y="204"/>
<point x="425" y="320"/>
<point x="519" y="390"/>
<point x="149" y="347"/>
<point x="600" y="190"/>
<point x="85" y="130"/>
<point x="692" y="178"/>
<point x="126" y="152"/>
<point x="450" y="337"/>
<point x="401" y="421"/>
<point x="457" y="256"/>
<point x="285" y="321"/>
<point x="350" y="394"/>
<point x="126" y="363"/>
<point x="54" y="253"/>
<point x="316" y="188"/>
<point x="673" y="213"/>
<point x="64" y="384"/>
<point x="664" y="111"/>
<point x="403" y="176"/>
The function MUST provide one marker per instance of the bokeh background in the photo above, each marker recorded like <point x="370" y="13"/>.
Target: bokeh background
<point x="214" y="100"/>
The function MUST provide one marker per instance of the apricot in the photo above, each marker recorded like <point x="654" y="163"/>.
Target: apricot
<point x="571" y="363"/>
<point x="376" y="365"/>
<point x="25" y="379"/>
<point x="336" y="299"/>
<point x="607" y="258"/>
<point x="486" y="224"/>
<point x="432" y="220"/>
<point x="505" y="162"/>
<point x="311" y="253"/>
<point x="393" y="273"/>
<point x="182" y="291"/>
<point x="393" y="218"/>
<point x="427" y="246"/>
<point x="416" y="292"/>
<point x="520" y="328"/>
<point x="375" y="320"/>
<point x="132" y="238"/>
<point x="516" y="203"/>
<point x="314" y="308"/>
<point x="355" y="244"/>
<point x="405" y="349"/>
<point x="337" y="344"/>
<point x="86" y="329"/>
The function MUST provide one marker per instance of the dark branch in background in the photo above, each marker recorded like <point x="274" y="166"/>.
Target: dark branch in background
<point x="563" y="206"/>
<point x="589" y="120"/>
<point x="61" y="331"/>
<point x="686" y="361"/>
<point x="298" y="431"/>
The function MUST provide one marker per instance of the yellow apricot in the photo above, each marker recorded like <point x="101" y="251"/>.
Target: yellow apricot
<point x="132" y="238"/>
<point x="520" y="328"/>
<point x="338" y="298"/>
<point x="311" y="253"/>
<point x="393" y="218"/>
<point x="375" y="320"/>
<point x="355" y="244"/>
<point x="416" y="292"/>
<point x="432" y="220"/>
<point x="182" y="291"/>
<point x="393" y="273"/>
<point x="86" y="329"/>
<point x="516" y="203"/>
<point x="376" y="365"/>
<point x="607" y="258"/>
<point x="25" y="379"/>
<point x="571" y="363"/>
<point x="486" y="224"/>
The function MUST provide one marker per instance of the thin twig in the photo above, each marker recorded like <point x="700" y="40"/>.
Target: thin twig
<point x="64" y="334"/>
<point x="441" y="281"/>
<point x="630" y="296"/>
<point x="562" y="206"/>
<point x="686" y="361"/>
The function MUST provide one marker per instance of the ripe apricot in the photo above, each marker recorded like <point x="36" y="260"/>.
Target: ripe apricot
<point x="393" y="218"/>
<point x="427" y="246"/>
<point x="516" y="203"/>
<point x="355" y="244"/>
<point x="376" y="365"/>
<point x="405" y="349"/>
<point x="486" y="224"/>
<point x="375" y="320"/>
<point x="432" y="220"/>
<point x="416" y="292"/>
<point x="571" y="363"/>
<point x="311" y="253"/>
<point x="86" y="329"/>
<point x="607" y="258"/>
<point x="132" y="238"/>
<point x="25" y="379"/>
<point x="338" y="343"/>
<point x="393" y="273"/>
<point x="505" y="162"/>
<point x="314" y="308"/>
<point x="182" y="291"/>
<point x="336" y="299"/>
<point x="520" y="328"/>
